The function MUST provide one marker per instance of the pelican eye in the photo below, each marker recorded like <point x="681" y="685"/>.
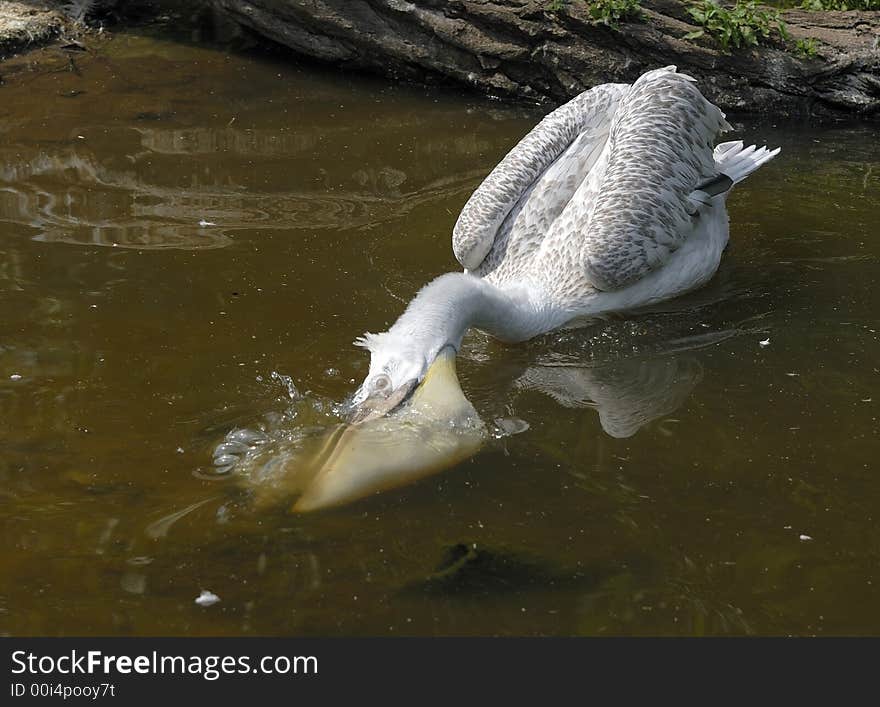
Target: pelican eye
<point x="382" y="384"/>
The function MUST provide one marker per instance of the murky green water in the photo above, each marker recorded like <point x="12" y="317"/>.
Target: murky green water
<point x="677" y="477"/>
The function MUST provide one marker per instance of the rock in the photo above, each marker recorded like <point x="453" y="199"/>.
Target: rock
<point x="25" y="23"/>
<point x="521" y="49"/>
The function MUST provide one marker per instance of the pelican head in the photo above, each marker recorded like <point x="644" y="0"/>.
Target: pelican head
<point x="398" y="364"/>
<point x="400" y="358"/>
<point x="409" y="426"/>
<point x="409" y="417"/>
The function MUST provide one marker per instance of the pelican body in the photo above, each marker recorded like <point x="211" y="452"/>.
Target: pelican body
<point x="614" y="201"/>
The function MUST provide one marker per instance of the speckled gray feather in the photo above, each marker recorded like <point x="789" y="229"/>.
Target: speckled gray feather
<point x="660" y="148"/>
<point x="586" y="118"/>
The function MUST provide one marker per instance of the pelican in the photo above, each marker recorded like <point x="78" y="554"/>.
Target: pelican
<point x="614" y="201"/>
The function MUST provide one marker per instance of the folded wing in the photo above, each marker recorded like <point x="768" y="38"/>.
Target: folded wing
<point x="586" y="118"/>
<point x="660" y="149"/>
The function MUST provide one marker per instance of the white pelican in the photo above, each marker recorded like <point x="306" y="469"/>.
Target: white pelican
<point x="614" y="201"/>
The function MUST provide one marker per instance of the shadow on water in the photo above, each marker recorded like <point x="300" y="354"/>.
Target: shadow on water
<point x="186" y="254"/>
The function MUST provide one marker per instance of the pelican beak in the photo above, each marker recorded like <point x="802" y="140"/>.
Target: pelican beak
<point x="376" y="406"/>
<point x="436" y="429"/>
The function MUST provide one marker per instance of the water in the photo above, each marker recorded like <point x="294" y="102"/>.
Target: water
<point x="190" y="241"/>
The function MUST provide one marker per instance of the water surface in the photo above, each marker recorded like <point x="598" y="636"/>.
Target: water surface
<point x="189" y="242"/>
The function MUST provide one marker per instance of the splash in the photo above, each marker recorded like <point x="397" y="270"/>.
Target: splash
<point x="268" y="457"/>
<point x="287" y="382"/>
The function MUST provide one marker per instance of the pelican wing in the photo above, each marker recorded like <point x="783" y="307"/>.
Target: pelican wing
<point x="659" y="152"/>
<point x="587" y="116"/>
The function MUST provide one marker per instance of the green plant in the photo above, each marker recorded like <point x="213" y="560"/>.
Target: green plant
<point x="611" y="12"/>
<point x="555" y="5"/>
<point x="743" y="25"/>
<point x="840" y="5"/>
<point x="806" y="48"/>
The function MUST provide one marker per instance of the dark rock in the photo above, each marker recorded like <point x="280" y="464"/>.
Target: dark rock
<point x="520" y="49"/>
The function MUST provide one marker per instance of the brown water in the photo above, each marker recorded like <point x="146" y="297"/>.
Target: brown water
<point x="672" y="468"/>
